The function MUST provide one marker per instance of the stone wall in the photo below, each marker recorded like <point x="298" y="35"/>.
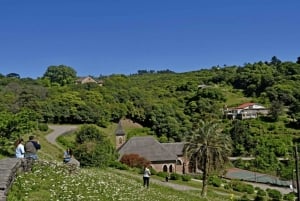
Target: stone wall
<point x="9" y="167"/>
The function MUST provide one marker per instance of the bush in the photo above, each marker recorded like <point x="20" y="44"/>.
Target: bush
<point x="274" y="194"/>
<point x="162" y="174"/>
<point x="134" y="160"/>
<point x="215" y="181"/>
<point x="197" y="176"/>
<point x="153" y="172"/>
<point x="259" y="198"/>
<point x="93" y="148"/>
<point x="118" y="165"/>
<point x="175" y="176"/>
<point x="244" y="198"/>
<point x="242" y="187"/>
<point x="289" y="197"/>
<point x="186" y="177"/>
<point x="43" y="127"/>
<point x="261" y="192"/>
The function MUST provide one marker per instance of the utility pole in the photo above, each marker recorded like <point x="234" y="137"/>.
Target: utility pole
<point x="297" y="172"/>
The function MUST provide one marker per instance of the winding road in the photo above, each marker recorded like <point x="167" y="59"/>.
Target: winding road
<point x="59" y="130"/>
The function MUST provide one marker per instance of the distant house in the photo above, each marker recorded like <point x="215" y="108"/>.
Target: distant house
<point x="245" y="111"/>
<point x="88" y="79"/>
<point x="164" y="157"/>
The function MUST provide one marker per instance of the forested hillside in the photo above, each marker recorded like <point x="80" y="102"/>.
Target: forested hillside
<point x="167" y="103"/>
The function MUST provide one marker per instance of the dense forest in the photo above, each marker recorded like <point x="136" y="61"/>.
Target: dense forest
<point x="167" y="103"/>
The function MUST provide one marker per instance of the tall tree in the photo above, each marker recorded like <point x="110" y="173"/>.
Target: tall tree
<point x="61" y="74"/>
<point x="209" y="147"/>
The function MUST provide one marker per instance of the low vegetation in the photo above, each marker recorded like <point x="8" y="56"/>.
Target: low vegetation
<point x="52" y="181"/>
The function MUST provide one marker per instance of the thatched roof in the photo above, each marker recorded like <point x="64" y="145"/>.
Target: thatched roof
<point x="147" y="147"/>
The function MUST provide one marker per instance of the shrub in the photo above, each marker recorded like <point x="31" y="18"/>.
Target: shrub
<point x="215" y="181"/>
<point x="175" y="176"/>
<point x="261" y="192"/>
<point x="197" y="176"/>
<point x="153" y="171"/>
<point x="274" y="194"/>
<point x="118" y="165"/>
<point x="93" y="148"/>
<point x="186" y="177"/>
<point x="162" y="174"/>
<point x="43" y="127"/>
<point x="289" y="197"/>
<point x="134" y="160"/>
<point x="259" y="198"/>
<point x="242" y="187"/>
<point x="244" y="198"/>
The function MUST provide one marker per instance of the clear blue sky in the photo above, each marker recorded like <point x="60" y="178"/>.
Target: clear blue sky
<point x="122" y="36"/>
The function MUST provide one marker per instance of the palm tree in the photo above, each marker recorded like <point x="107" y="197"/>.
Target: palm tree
<point x="209" y="148"/>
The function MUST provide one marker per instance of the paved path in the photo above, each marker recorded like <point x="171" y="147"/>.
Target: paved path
<point x="59" y="130"/>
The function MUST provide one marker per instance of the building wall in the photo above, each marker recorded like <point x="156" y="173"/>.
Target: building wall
<point x="120" y="140"/>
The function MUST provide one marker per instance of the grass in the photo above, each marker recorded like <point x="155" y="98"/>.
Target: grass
<point x="52" y="181"/>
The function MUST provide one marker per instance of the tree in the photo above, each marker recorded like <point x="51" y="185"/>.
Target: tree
<point x="275" y="60"/>
<point x="93" y="148"/>
<point x="276" y="110"/>
<point x="209" y="147"/>
<point x="13" y="75"/>
<point x="241" y="138"/>
<point x="61" y="74"/>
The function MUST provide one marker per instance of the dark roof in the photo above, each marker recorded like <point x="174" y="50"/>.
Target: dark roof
<point x="147" y="147"/>
<point x="120" y="131"/>
<point x="176" y="148"/>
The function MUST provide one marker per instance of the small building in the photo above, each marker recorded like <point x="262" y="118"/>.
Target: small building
<point x="88" y="79"/>
<point x="163" y="157"/>
<point x="245" y="111"/>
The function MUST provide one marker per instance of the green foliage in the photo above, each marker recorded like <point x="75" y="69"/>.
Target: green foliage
<point x="274" y="194"/>
<point x="163" y="174"/>
<point x="52" y="181"/>
<point x="118" y="165"/>
<point x="175" y="176"/>
<point x="43" y="127"/>
<point x="138" y="132"/>
<point x="61" y="74"/>
<point x="167" y="103"/>
<point x="89" y="133"/>
<point x="93" y="148"/>
<point x="289" y="197"/>
<point x="215" y="181"/>
<point x="186" y="177"/>
<point x="241" y="187"/>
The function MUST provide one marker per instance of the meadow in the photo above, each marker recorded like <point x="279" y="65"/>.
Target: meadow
<point x="53" y="181"/>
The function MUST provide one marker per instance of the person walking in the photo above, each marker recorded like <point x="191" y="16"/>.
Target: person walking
<point x="20" y="151"/>
<point x="146" y="176"/>
<point x="31" y="148"/>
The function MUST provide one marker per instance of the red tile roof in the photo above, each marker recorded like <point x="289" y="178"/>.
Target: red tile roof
<point x="244" y="105"/>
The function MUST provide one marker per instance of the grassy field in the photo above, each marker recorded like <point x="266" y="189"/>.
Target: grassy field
<point x="52" y="181"/>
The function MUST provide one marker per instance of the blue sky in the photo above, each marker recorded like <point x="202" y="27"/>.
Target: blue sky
<point x="103" y="37"/>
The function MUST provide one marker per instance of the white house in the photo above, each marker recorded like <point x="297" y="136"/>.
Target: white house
<point x="245" y="111"/>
